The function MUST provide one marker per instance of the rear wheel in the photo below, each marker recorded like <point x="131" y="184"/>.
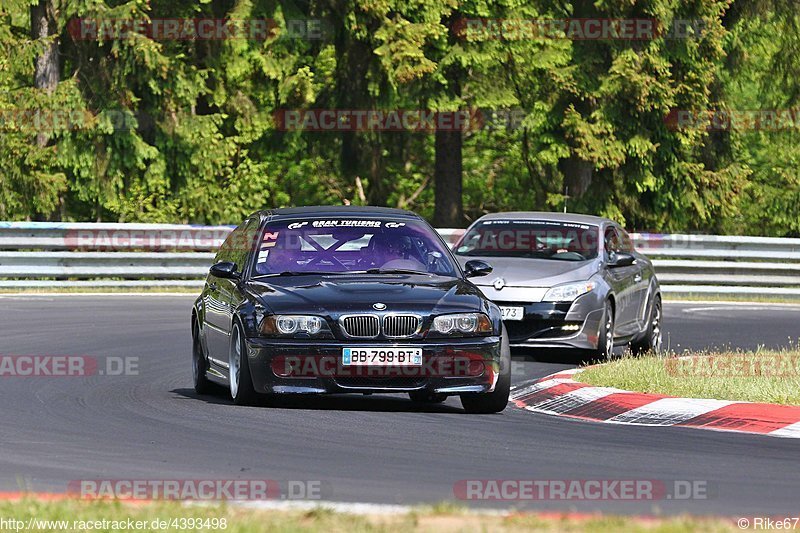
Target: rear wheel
<point x="199" y="363"/>
<point x="427" y="397"/>
<point x="652" y="340"/>
<point x="241" y="384"/>
<point x="497" y="400"/>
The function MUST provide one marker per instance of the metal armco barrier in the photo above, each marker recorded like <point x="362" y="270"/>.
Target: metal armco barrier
<point x="38" y="254"/>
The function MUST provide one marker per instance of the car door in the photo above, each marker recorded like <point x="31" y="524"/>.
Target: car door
<point x="229" y="290"/>
<point x="641" y="280"/>
<point x="216" y="322"/>
<point x="623" y="282"/>
<point x="241" y="254"/>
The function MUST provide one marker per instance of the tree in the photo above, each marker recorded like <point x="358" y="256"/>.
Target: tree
<point x="187" y="130"/>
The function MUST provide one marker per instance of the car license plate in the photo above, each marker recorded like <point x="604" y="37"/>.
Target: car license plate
<point x="512" y="313"/>
<point x="381" y="356"/>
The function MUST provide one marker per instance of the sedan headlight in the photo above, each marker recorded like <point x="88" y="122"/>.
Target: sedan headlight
<point x="462" y="324"/>
<point x="291" y="325"/>
<point x="569" y="291"/>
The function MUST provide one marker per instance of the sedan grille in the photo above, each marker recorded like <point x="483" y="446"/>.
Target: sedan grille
<point x="363" y="326"/>
<point x="401" y="325"/>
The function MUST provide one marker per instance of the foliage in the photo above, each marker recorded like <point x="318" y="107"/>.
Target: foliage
<point x="187" y="130"/>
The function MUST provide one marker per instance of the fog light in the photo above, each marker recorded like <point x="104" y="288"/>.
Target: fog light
<point x="280" y="367"/>
<point x="571" y="327"/>
<point x="476" y="367"/>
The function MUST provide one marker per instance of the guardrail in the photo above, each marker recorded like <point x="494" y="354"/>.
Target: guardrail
<point x="722" y="264"/>
<point x="36" y="254"/>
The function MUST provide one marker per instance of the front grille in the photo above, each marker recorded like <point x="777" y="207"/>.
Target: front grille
<point x="361" y="326"/>
<point x="522" y="330"/>
<point x="401" y="325"/>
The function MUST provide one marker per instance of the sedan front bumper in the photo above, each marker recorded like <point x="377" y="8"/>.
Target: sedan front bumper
<point x="573" y="325"/>
<point x="450" y="366"/>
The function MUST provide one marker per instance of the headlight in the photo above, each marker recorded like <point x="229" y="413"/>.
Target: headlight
<point x="461" y="324"/>
<point x="290" y="325"/>
<point x="569" y="291"/>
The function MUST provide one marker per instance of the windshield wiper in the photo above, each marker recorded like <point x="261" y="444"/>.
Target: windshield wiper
<point x="287" y="273"/>
<point x="394" y="271"/>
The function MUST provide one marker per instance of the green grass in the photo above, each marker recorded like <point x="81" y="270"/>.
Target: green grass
<point x="441" y="518"/>
<point x="753" y="298"/>
<point x="761" y="376"/>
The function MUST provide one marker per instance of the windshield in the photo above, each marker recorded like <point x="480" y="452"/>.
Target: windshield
<point x="540" y="239"/>
<point x="338" y="245"/>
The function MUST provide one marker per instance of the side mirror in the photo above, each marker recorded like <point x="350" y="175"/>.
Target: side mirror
<point x="225" y="270"/>
<point x="476" y="268"/>
<point x="620" y="259"/>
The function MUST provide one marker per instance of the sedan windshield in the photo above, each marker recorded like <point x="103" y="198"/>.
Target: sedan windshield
<point x="540" y="239"/>
<point x="336" y="246"/>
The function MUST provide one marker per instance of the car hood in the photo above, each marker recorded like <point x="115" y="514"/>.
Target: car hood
<point x="526" y="272"/>
<point x="333" y="295"/>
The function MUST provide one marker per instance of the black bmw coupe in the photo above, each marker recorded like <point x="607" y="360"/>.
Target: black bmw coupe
<point x="364" y="300"/>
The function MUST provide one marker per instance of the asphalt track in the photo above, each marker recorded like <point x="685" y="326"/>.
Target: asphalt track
<point x="378" y="449"/>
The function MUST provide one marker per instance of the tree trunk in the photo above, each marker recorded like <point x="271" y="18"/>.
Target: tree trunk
<point x="448" y="165"/>
<point x="449" y="209"/>
<point x="361" y="151"/>
<point x="47" y="67"/>
<point x="46" y="64"/>
<point x="578" y="175"/>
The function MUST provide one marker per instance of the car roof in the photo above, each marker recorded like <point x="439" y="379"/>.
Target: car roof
<point x="545" y="215"/>
<point x="338" y="210"/>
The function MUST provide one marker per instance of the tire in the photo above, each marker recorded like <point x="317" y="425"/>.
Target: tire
<point x="239" y="380"/>
<point x="427" y="397"/>
<point x="496" y="401"/>
<point x="199" y="363"/>
<point x="605" y="341"/>
<point x="653" y="338"/>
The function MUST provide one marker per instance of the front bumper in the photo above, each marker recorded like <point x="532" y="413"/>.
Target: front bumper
<point x="573" y="325"/>
<point x="450" y="366"/>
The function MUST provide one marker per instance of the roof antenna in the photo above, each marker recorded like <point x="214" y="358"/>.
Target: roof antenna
<point x="566" y="197"/>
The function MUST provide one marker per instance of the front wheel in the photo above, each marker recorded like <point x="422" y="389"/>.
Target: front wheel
<point x="497" y="400"/>
<point x="241" y="384"/>
<point x="605" y="341"/>
<point x="199" y="363"/>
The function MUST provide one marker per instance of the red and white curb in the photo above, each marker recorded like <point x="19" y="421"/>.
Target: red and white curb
<point x="559" y="394"/>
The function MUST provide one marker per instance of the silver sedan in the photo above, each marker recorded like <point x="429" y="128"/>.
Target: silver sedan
<point x="566" y="281"/>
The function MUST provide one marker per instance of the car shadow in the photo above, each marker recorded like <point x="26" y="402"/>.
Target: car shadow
<point x="557" y="356"/>
<point x="328" y="402"/>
